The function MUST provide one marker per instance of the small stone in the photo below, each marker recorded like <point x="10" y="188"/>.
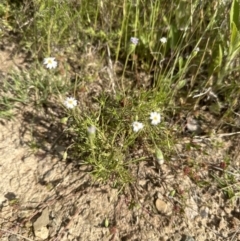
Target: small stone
<point x="42" y="233"/>
<point x="204" y="212"/>
<point x="40" y="226"/>
<point x="191" y="209"/>
<point x="163" y="207"/>
<point x="188" y="238"/>
<point x="142" y="182"/>
<point x="23" y="214"/>
<point x="13" y="238"/>
<point x="159" y="195"/>
<point x="10" y="196"/>
<point x="228" y="210"/>
<point x="179" y="147"/>
<point x="193" y="125"/>
<point x="222" y="224"/>
<point x="177" y="237"/>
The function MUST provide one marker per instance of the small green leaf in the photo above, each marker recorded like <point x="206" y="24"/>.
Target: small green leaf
<point x="175" y="36"/>
<point x="65" y="155"/>
<point x="159" y="156"/>
<point x="131" y="48"/>
<point x="234" y="27"/>
<point x="64" y="120"/>
<point x="106" y="223"/>
<point x="172" y="193"/>
<point x="144" y="39"/>
<point x="220" y="56"/>
<point x="234" y="14"/>
<point x="180" y="63"/>
<point x="181" y="84"/>
<point x="215" y="108"/>
<point x="234" y="42"/>
<point x="217" y="57"/>
<point x="13" y="202"/>
<point x="42" y="7"/>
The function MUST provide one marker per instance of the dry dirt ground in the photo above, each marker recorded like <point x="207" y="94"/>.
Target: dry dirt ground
<point x="44" y="198"/>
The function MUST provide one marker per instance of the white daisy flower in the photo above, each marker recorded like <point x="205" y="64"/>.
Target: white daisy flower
<point x="134" y="40"/>
<point x="163" y="40"/>
<point x="50" y="62"/>
<point x="155" y="117"/>
<point x="137" y="126"/>
<point x="70" y="102"/>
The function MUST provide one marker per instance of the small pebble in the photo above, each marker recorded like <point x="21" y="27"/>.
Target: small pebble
<point x="163" y="207"/>
<point x="188" y="238"/>
<point x="13" y="238"/>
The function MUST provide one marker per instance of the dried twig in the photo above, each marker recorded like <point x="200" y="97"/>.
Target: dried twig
<point x="110" y="70"/>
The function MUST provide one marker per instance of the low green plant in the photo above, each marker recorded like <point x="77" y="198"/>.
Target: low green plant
<point x="184" y="48"/>
<point x="107" y="138"/>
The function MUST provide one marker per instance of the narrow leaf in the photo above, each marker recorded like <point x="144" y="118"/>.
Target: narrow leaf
<point x="234" y="43"/>
<point x="234" y="14"/>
